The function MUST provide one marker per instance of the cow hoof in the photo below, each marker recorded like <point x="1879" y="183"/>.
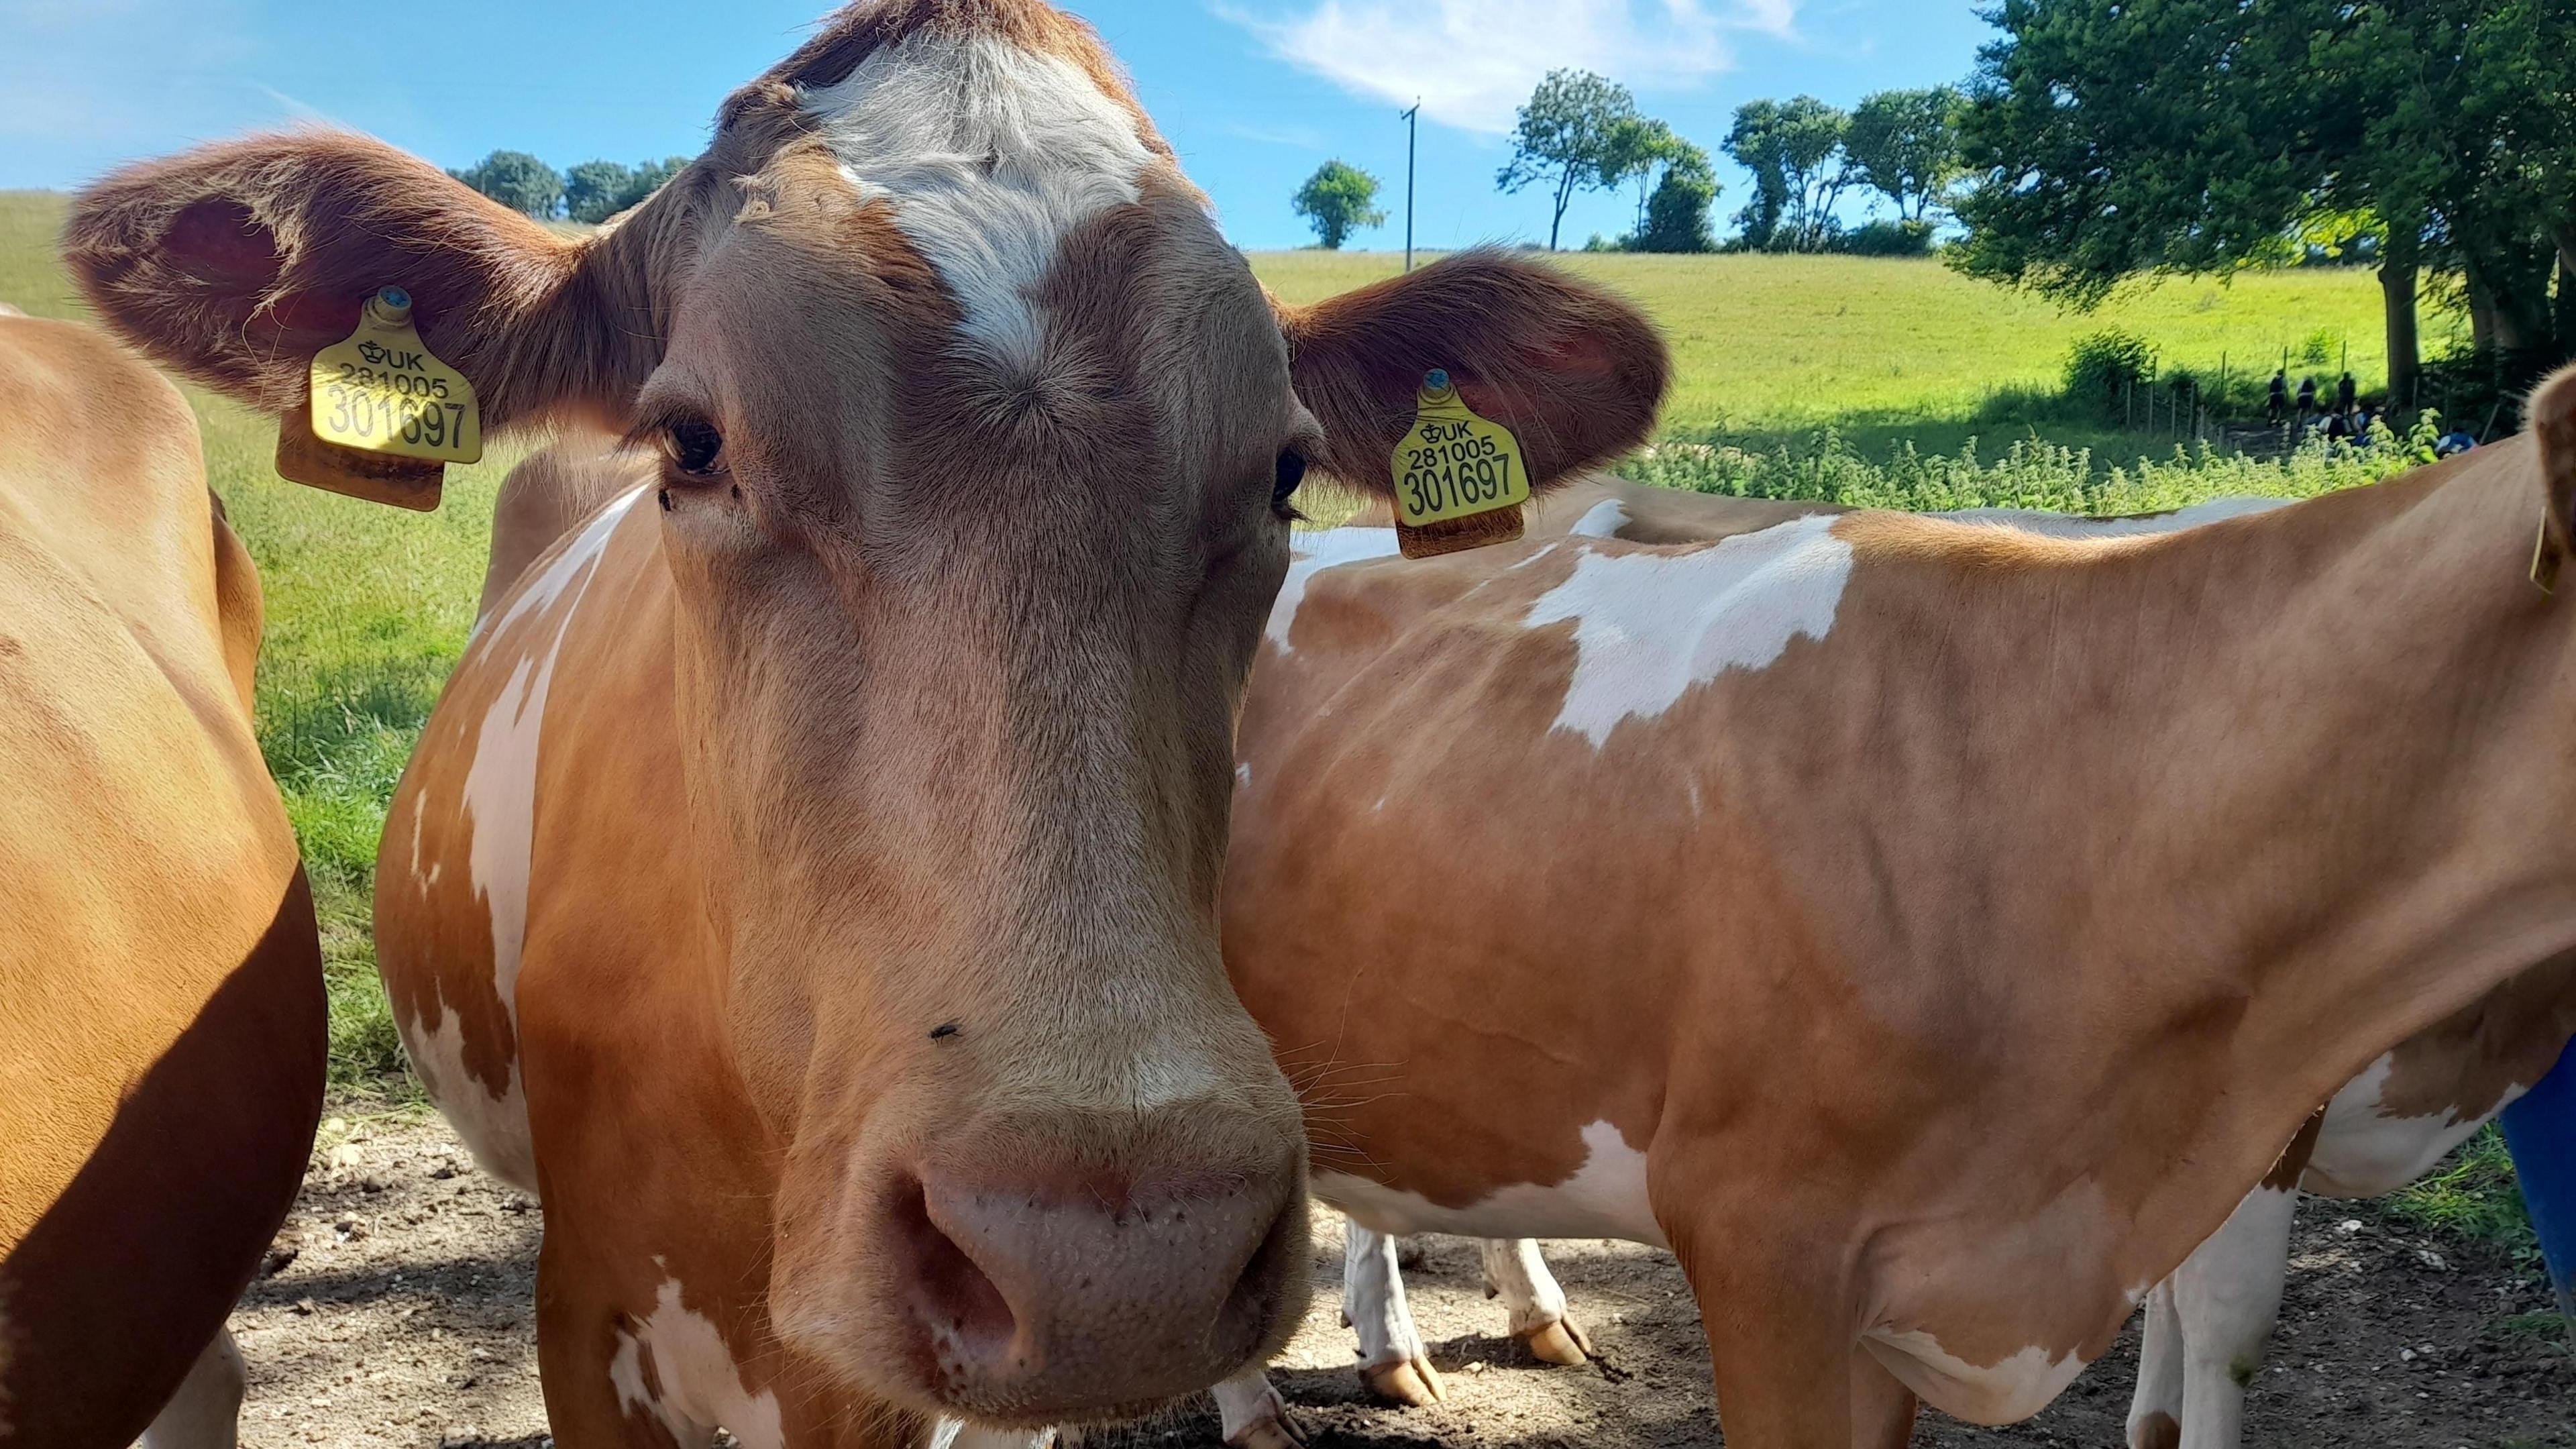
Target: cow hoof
<point x="1559" y="1343"/>
<point x="1280" y="1432"/>
<point x="1411" y="1382"/>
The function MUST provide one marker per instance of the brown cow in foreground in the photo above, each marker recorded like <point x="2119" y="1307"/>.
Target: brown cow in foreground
<point x="1959" y="922"/>
<point x="807" y="882"/>
<point x="161" y="1016"/>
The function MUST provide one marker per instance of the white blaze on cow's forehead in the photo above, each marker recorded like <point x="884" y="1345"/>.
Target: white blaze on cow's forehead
<point x="1310" y="554"/>
<point x="988" y="154"/>
<point x="2067" y="525"/>
<point x="1651" y="625"/>
<point x="700" y="1387"/>
<point x="1605" y="1198"/>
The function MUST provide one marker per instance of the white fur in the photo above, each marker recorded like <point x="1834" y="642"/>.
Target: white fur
<point x="2207" y="1324"/>
<point x="1652" y="625"/>
<point x="1248" y="1399"/>
<point x="1605" y="1198"/>
<point x="702" y="1388"/>
<point x="206" y="1411"/>
<point x="1311" y="553"/>
<point x="1515" y="1270"/>
<point x="1373" y="1299"/>
<point x="499" y="801"/>
<point x="1601" y="520"/>
<point x="958" y="1434"/>
<point x="2362" y="1151"/>
<point x="1999" y="1393"/>
<point x="988" y="154"/>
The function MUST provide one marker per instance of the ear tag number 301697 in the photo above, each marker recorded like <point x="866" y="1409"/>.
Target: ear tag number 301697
<point x="1460" y="479"/>
<point x="380" y="390"/>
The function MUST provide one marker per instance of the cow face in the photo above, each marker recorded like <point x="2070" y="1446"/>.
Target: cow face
<point x="977" y="442"/>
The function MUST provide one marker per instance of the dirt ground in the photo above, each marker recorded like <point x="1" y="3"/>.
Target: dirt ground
<point x="397" y="1312"/>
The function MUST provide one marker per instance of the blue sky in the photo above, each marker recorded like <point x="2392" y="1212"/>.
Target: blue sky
<point x="1253" y="93"/>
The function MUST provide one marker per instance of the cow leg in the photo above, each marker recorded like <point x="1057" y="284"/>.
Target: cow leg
<point x="2226" y="1295"/>
<point x="1254" y="1415"/>
<point x="2155" y="1409"/>
<point x="1392" y="1361"/>
<point x="206" y="1411"/>
<point x="1883" y="1409"/>
<point x="592" y="1400"/>
<point x="958" y="1434"/>
<point x="1780" y="1339"/>
<point x="1514" y="1269"/>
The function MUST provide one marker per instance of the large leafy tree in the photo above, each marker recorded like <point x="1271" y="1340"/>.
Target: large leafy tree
<point x="2110" y="138"/>
<point x="1637" y="146"/>
<point x="516" y="180"/>
<point x="1905" y="144"/>
<point x="1564" y="139"/>
<point x="1794" y="149"/>
<point x="1337" y="200"/>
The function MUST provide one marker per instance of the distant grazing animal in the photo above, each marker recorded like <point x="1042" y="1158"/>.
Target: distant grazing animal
<point x="1968" y="918"/>
<point x="807" y="883"/>
<point x="161" y="1015"/>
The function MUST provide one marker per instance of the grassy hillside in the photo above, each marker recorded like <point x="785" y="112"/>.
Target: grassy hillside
<point x="1888" y="350"/>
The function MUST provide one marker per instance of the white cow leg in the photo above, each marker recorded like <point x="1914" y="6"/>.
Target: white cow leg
<point x="2155" y="1410"/>
<point x="1514" y="1270"/>
<point x="1392" y="1362"/>
<point x="206" y="1412"/>
<point x="2227" y="1294"/>
<point x="1254" y="1414"/>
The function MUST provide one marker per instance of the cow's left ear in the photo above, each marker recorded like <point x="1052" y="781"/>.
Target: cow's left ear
<point x="1575" y="372"/>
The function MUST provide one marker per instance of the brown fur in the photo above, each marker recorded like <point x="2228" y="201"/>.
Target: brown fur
<point x="918" y="712"/>
<point x="161" y="1018"/>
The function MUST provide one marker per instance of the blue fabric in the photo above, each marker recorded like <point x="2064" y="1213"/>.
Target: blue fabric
<point x="2541" y="1130"/>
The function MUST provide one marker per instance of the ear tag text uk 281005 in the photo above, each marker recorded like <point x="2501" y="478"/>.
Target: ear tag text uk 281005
<point x="1460" y="479"/>
<point x="384" y="415"/>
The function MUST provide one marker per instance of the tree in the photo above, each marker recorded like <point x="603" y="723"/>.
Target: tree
<point x="1677" y="214"/>
<point x="1635" y="147"/>
<point x="594" y="191"/>
<point x="1794" y="150"/>
<point x="1906" y="145"/>
<point x="1338" y="200"/>
<point x="516" y="180"/>
<point x="1562" y="139"/>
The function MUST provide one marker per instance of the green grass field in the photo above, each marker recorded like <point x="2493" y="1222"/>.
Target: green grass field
<point x="368" y="606"/>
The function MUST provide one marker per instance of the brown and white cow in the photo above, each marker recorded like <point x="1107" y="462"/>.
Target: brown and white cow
<point x="807" y="882"/>
<point x="2207" y="1323"/>
<point x="1929" y="931"/>
<point x="161" y="1014"/>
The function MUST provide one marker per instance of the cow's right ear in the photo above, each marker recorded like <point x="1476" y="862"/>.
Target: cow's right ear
<point x="235" y="263"/>
<point x="1575" y="372"/>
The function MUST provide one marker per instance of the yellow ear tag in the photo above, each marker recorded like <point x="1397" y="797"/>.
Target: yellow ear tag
<point x="1459" y="479"/>
<point x="385" y="417"/>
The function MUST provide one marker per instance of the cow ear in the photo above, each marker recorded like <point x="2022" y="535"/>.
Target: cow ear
<point x="1575" y="372"/>
<point x="235" y="263"/>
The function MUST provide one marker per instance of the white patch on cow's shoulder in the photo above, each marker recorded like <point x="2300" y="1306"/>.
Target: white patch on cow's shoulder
<point x="1999" y="1393"/>
<point x="1605" y="1198"/>
<point x="1601" y="520"/>
<point x="988" y="153"/>
<point x="2365" y="1151"/>
<point x="499" y="800"/>
<point x="2067" y="525"/>
<point x="701" y="1388"/>
<point x="1651" y="624"/>
<point x="1310" y="554"/>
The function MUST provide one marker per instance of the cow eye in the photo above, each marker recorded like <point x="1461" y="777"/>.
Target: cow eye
<point x="694" y="447"/>
<point x="1292" y="471"/>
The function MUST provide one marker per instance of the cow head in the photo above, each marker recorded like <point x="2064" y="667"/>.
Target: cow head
<point x="978" y="442"/>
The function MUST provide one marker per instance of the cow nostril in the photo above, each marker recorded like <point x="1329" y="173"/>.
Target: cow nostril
<point x="969" y="1320"/>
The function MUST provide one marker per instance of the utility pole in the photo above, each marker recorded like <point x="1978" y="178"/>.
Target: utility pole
<point x="1412" y="122"/>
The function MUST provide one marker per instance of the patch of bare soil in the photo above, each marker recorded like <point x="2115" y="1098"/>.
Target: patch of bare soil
<point x="404" y="1318"/>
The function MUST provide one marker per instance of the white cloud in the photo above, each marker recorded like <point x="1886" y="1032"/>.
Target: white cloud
<point x="1472" y="62"/>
